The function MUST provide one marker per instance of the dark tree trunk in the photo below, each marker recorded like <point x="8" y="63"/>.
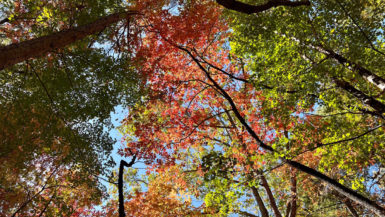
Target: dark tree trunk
<point x="366" y="74"/>
<point x="270" y="195"/>
<point x="367" y="100"/>
<point x="259" y="200"/>
<point x="120" y="184"/>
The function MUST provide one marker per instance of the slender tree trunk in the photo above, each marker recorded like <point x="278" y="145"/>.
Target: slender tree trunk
<point x="367" y="100"/>
<point x="378" y="106"/>
<point x="19" y="52"/>
<point x="273" y="205"/>
<point x="120" y="184"/>
<point x="347" y="192"/>
<point x="47" y="204"/>
<point x="250" y="9"/>
<point x="259" y="200"/>
<point x="366" y="74"/>
<point x="293" y="188"/>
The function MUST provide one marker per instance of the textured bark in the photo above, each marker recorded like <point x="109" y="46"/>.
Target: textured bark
<point x="367" y="100"/>
<point x="19" y="52"/>
<point x="273" y="205"/>
<point x="120" y="184"/>
<point x="259" y="200"/>
<point x="366" y="74"/>
<point x="250" y="9"/>
<point x="347" y="192"/>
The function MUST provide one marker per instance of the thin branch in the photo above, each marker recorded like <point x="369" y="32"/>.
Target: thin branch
<point x="35" y="195"/>
<point x="47" y="204"/>
<point x="359" y="28"/>
<point x="343" y="140"/>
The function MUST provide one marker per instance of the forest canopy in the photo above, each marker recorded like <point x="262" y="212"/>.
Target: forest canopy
<point x="234" y="108"/>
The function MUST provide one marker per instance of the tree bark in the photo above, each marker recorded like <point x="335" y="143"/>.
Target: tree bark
<point x="250" y="9"/>
<point x="123" y="164"/>
<point x="259" y="200"/>
<point x="366" y="74"/>
<point x="273" y="205"/>
<point x="19" y="52"/>
<point x="367" y="100"/>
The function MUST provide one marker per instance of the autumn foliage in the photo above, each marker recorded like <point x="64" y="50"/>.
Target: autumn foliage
<point x="235" y="111"/>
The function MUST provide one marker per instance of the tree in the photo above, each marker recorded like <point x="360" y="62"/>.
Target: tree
<point x="55" y="112"/>
<point x="250" y="105"/>
<point x="156" y="146"/>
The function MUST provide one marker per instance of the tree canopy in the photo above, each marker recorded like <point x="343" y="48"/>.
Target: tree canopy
<point x="235" y="108"/>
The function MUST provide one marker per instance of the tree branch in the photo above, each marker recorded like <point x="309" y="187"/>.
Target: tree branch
<point x="251" y="9"/>
<point x="349" y="193"/>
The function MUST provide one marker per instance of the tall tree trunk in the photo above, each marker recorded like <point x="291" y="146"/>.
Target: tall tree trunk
<point x="293" y="188"/>
<point x="347" y="192"/>
<point x="250" y="9"/>
<point x="273" y="205"/>
<point x="19" y="52"/>
<point x="123" y="164"/>
<point x="367" y="100"/>
<point x="259" y="200"/>
<point x="378" y="106"/>
<point x="366" y="74"/>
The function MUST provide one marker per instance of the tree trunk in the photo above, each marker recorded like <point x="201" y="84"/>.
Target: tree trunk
<point x="367" y="100"/>
<point x="347" y="192"/>
<point x="270" y="195"/>
<point x="363" y="72"/>
<point x="120" y="184"/>
<point x="259" y="200"/>
<point x="293" y="188"/>
<point x="19" y="52"/>
<point x="366" y="74"/>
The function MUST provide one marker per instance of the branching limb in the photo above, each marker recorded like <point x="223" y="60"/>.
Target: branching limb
<point x="251" y="9"/>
